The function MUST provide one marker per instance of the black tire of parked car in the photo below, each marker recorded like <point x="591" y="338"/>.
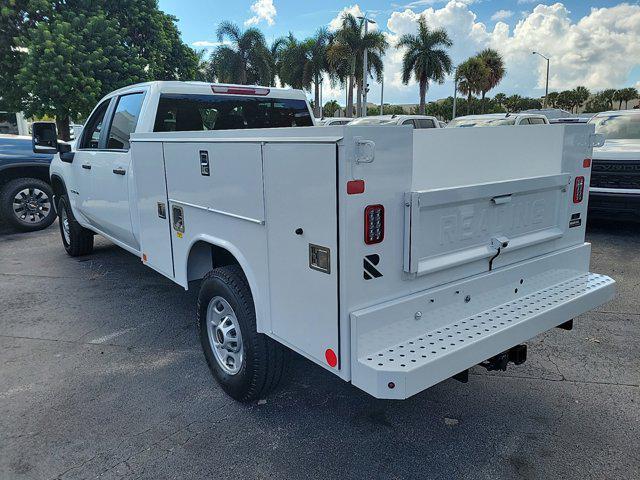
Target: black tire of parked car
<point x="78" y="240"/>
<point x="36" y="205"/>
<point x="264" y="359"/>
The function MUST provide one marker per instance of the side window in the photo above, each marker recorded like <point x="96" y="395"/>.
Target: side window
<point x="408" y="122"/>
<point x="125" y="119"/>
<point x="91" y="132"/>
<point x="536" y="121"/>
<point x="525" y="121"/>
<point x="425" y="123"/>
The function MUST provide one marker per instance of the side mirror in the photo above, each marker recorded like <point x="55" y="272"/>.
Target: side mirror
<point x="44" y="137"/>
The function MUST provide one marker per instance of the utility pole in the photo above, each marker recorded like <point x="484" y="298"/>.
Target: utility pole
<point x="365" y="87"/>
<point x="546" y="88"/>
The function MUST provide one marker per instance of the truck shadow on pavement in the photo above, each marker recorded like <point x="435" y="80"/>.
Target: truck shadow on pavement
<point x="103" y="376"/>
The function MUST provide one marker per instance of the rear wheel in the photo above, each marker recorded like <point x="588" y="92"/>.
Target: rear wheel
<point x="26" y="203"/>
<point x="247" y="364"/>
<point x="76" y="239"/>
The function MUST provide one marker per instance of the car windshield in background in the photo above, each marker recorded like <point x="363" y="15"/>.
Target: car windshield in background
<point x="180" y="113"/>
<point x="480" y="122"/>
<point x="370" y="121"/>
<point x="615" y="126"/>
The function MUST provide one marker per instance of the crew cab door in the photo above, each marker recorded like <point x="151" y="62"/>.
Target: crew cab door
<point x="107" y="205"/>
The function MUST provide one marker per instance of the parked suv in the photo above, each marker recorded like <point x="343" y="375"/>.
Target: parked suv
<point x="615" y="173"/>
<point x="498" y="119"/>
<point x="25" y="193"/>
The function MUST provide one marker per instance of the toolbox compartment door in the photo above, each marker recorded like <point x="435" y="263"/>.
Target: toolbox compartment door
<point x="451" y="227"/>
<point x="153" y="207"/>
<point x="301" y="220"/>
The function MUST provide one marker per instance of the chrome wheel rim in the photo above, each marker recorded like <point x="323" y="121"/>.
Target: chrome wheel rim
<point x="224" y="334"/>
<point x="31" y="205"/>
<point x="64" y="224"/>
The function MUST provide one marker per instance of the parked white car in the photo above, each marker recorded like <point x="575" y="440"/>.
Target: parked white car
<point x="330" y="121"/>
<point x="384" y="255"/>
<point x="497" y="119"/>
<point x="615" y="173"/>
<point x="416" y="121"/>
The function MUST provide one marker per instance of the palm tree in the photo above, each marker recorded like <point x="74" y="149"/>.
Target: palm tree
<point x="581" y="94"/>
<point x="330" y="108"/>
<point x="347" y="51"/>
<point x="292" y="61"/>
<point x="628" y="94"/>
<point x="246" y="60"/>
<point x="607" y="96"/>
<point x="425" y="58"/>
<point x="471" y="75"/>
<point x="495" y="71"/>
<point x="203" y="70"/>
<point x="500" y="98"/>
<point x="317" y="63"/>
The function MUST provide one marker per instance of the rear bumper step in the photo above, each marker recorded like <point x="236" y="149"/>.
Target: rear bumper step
<point x="399" y="369"/>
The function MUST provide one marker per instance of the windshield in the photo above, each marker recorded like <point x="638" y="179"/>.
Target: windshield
<point x="370" y="121"/>
<point x="481" y="122"/>
<point x="615" y="126"/>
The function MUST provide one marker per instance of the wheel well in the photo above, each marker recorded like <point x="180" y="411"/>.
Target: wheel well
<point x="204" y="257"/>
<point x="40" y="172"/>
<point x="58" y="186"/>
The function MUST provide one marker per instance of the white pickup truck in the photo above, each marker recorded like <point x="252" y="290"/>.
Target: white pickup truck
<point x="393" y="258"/>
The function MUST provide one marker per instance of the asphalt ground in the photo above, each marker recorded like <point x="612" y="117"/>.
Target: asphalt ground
<point x="101" y="375"/>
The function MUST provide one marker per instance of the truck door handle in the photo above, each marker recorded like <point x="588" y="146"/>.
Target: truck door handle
<point x="119" y="171"/>
<point x="86" y="166"/>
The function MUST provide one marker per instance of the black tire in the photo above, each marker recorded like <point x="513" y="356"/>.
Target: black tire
<point x="80" y="239"/>
<point x="39" y="197"/>
<point x="264" y="359"/>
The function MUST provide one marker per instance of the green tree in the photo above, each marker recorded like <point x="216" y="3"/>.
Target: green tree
<point x="552" y="99"/>
<point x="580" y="96"/>
<point x="425" y="58"/>
<point x="330" y="108"/>
<point x="346" y="55"/>
<point x="317" y="63"/>
<point x="500" y="98"/>
<point x="73" y="60"/>
<point x="245" y="60"/>
<point x="597" y="103"/>
<point x="608" y="95"/>
<point x="625" y="95"/>
<point x="471" y="74"/>
<point x="495" y="71"/>
<point x="293" y="57"/>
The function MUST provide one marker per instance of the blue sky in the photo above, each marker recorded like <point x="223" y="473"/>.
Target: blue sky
<point x="596" y="43"/>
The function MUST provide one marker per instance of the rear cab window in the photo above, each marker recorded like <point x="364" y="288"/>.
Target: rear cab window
<point x="192" y="112"/>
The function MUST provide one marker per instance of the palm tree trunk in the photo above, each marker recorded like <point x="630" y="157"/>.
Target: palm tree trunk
<point x="482" y="106"/>
<point x="349" y="112"/>
<point x="316" y="96"/>
<point x="423" y="95"/>
<point x="620" y="105"/>
<point x="469" y="103"/>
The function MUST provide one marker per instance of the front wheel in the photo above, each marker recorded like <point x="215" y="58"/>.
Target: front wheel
<point x="246" y="364"/>
<point x="76" y="239"/>
<point x="27" y="205"/>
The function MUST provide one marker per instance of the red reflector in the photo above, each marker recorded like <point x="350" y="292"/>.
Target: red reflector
<point x="578" y="189"/>
<point x="373" y="224"/>
<point x="239" y="90"/>
<point x="330" y="355"/>
<point x="355" y="187"/>
<point x="586" y="163"/>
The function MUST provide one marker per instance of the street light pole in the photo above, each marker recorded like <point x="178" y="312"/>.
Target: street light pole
<point x="363" y="111"/>
<point x="546" y="88"/>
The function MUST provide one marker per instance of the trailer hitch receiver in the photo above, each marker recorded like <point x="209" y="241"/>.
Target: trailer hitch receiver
<point x="516" y="355"/>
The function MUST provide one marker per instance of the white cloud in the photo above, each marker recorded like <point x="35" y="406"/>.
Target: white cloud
<point x="209" y="44"/>
<point x="264" y="10"/>
<point x="598" y="51"/>
<point x="336" y="22"/>
<point x="502" y="15"/>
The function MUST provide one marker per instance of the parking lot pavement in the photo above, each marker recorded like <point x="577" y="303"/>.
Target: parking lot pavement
<point x="102" y="376"/>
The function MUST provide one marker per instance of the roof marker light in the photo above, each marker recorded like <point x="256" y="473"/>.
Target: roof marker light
<point x="239" y="90"/>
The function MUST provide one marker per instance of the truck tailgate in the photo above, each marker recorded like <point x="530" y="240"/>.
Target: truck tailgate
<point x="448" y="227"/>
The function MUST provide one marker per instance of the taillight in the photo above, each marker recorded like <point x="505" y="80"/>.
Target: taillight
<point x="373" y="224"/>
<point x="578" y="189"/>
<point x="239" y="90"/>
